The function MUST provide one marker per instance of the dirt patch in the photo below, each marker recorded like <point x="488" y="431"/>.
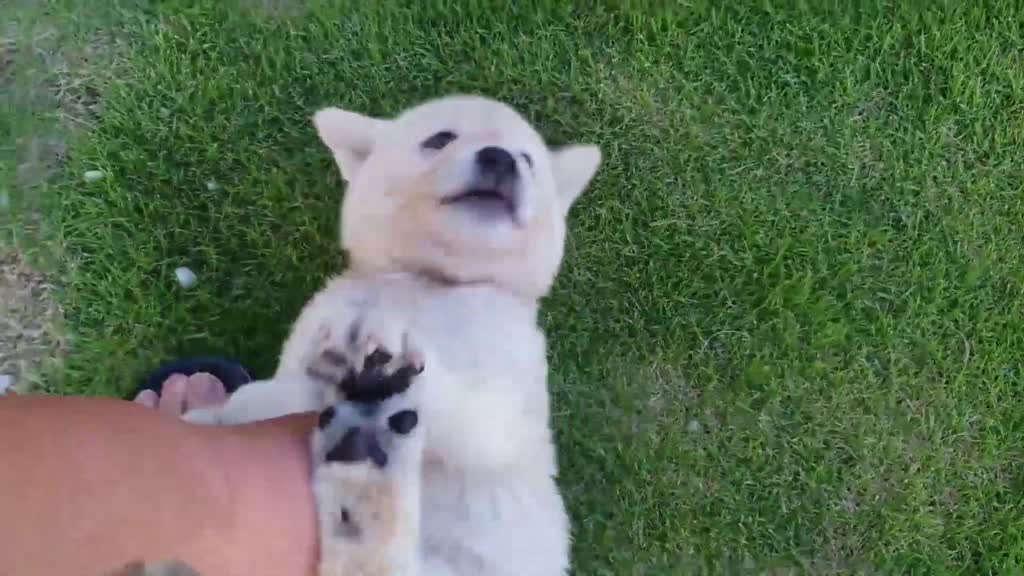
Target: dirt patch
<point x="56" y="84"/>
<point x="30" y="337"/>
<point x="53" y="68"/>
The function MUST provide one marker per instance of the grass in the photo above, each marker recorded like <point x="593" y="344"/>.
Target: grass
<point x="789" y="330"/>
<point x="55" y="58"/>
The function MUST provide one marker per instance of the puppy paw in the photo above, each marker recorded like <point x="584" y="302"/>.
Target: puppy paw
<point x="366" y="482"/>
<point x="365" y="366"/>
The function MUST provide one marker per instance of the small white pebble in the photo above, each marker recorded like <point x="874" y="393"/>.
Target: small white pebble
<point x="212" y="185"/>
<point x="93" y="176"/>
<point x="186" y="278"/>
<point x="6" y="381"/>
<point x="693" y="426"/>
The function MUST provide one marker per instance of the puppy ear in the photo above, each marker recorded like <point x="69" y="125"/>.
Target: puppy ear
<point x="349" y="136"/>
<point x="574" y="166"/>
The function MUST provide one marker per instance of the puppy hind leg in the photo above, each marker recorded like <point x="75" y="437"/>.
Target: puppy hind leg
<point x="366" y="481"/>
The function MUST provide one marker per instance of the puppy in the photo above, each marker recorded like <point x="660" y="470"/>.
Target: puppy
<point x="434" y="455"/>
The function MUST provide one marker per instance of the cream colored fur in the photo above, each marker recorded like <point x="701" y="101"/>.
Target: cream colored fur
<point x="460" y="282"/>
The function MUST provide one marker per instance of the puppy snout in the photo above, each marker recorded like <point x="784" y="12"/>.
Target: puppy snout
<point x="496" y="162"/>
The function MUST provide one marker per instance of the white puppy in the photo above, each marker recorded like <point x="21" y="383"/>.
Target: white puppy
<point x="435" y="456"/>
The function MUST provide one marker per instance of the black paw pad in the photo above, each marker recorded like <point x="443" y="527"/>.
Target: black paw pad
<point x="325" y="418"/>
<point x="377" y="359"/>
<point x="403" y="422"/>
<point x="358" y="445"/>
<point x="377" y="454"/>
<point x="373" y="384"/>
<point x="347" y="528"/>
<point x="353" y="447"/>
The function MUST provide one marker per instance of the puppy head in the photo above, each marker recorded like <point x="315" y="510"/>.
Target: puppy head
<point x="461" y="187"/>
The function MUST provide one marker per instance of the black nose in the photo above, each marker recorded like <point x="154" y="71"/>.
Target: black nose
<point x="496" y="161"/>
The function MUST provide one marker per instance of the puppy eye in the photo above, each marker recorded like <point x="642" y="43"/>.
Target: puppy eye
<point x="439" y="140"/>
<point x="529" y="160"/>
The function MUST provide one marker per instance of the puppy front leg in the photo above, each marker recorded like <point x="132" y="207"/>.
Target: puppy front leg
<point x="367" y="453"/>
<point x="292" y="389"/>
<point x="262" y="400"/>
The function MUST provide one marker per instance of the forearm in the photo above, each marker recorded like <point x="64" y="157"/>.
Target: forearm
<point x="87" y="485"/>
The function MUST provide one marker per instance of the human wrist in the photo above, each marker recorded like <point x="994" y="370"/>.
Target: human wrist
<point x="271" y="523"/>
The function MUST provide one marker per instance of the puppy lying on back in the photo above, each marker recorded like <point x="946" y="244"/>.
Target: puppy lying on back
<point x="434" y="454"/>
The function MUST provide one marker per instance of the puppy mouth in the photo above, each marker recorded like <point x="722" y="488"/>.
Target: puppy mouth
<point x="492" y="202"/>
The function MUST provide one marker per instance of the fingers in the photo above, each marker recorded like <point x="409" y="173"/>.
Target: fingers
<point x="203" y="391"/>
<point x="147" y="398"/>
<point x="172" y="395"/>
<point x="180" y="393"/>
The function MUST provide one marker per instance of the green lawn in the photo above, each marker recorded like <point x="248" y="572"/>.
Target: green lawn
<point x="789" y="330"/>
